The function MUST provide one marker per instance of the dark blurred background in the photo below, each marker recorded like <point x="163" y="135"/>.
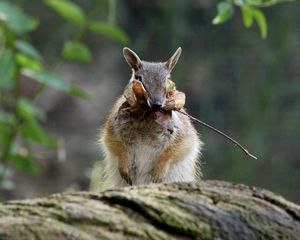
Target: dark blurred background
<point x="233" y="79"/>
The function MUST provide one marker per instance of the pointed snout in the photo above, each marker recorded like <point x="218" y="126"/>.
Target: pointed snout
<point x="155" y="105"/>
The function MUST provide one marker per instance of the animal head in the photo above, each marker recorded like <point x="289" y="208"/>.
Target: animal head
<point x="152" y="75"/>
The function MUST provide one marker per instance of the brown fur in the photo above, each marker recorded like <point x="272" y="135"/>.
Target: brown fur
<point x="143" y="145"/>
<point x="117" y="148"/>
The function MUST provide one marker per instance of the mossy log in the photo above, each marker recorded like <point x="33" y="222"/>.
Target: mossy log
<point x="205" y="210"/>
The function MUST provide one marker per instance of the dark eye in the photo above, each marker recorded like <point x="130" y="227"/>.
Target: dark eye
<point x="139" y="78"/>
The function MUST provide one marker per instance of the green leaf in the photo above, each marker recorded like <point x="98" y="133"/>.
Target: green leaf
<point x="5" y="131"/>
<point x="27" y="49"/>
<point x="76" y="51"/>
<point x="255" y="2"/>
<point x="240" y="2"/>
<point x="26" y="62"/>
<point x="15" y="19"/>
<point x="6" y="118"/>
<point x="77" y="92"/>
<point x="68" y="10"/>
<point x="28" y="110"/>
<point x="258" y="3"/>
<point x="33" y="131"/>
<point x="247" y="16"/>
<point x="48" y="79"/>
<point x="24" y="163"/>
<point x="225" y="12"/>
<point x="109" y="31"/>
<point x="7" y="68"/>
<point x="51" y="80"/>
<point x="261" y="22"/>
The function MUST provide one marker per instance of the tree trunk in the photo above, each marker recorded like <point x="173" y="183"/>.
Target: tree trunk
<point x="205" y="210"/>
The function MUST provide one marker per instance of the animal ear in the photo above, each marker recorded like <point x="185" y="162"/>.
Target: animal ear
<point x="132" y="58"/>
<point x="173" y="60"/>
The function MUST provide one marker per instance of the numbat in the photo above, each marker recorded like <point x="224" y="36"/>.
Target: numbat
<point x="144" y="140"/>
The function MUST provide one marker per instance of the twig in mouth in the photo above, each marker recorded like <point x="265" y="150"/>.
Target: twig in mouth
<point x="220" y="132"/>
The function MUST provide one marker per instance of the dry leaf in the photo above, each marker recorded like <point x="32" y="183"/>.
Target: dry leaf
<point x="139" y="89"/>
<point x="170" y="86"/>
<point x="175" y="100"/>
<point x="135" y="93"/>
<point x="129" y="94"/>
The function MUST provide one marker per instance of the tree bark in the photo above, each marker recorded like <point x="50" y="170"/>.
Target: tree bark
<point x="205" y="210"/>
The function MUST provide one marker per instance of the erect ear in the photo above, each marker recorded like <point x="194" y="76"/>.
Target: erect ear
<point x="173" y="60"/>
<point x="132" y="58"/>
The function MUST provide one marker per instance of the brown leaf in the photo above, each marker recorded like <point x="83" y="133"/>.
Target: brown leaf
<point x="170" y="86"/>
<point x="139" y="89"/>
<point x="175" y="100"/>
<point x="129" y="94"/>
<point x="135" y="93"/>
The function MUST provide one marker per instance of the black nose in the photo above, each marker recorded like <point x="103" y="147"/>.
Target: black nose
<point x="156" y="105"/>
<point x="170" y="129"/>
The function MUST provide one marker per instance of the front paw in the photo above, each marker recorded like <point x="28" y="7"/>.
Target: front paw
<point x="125" y="174"/>
<point x="156" y="177"/>
<point x="157" y="180"/>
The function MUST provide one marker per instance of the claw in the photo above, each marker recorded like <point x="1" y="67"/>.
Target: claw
<point x="157" y="180"/>
<point x="155" y="176"/>
<point x="125" y="175"/>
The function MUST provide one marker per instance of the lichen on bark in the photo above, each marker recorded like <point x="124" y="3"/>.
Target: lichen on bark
<point x="204" y="210"/>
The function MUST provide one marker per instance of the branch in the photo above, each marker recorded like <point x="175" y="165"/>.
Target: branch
<point x="221" y="133"/>
<point x="204" y="210"/>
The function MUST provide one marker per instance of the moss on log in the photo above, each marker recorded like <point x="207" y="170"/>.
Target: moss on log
<point x="205" y="210"/>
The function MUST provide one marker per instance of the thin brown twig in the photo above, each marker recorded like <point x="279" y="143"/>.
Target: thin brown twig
<point x="221" y="133"/>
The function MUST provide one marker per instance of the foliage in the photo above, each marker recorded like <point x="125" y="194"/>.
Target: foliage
<point x="20" y="117"/>
<point x="250" y="10"/>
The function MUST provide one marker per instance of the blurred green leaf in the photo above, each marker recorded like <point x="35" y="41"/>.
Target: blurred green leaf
<point x="68" y="10"/>
<point x="26" y="62"/>
<point x="4" y="132"/>
<point x="6" y="118"/>
<point x="24" y="163"/>
<point x="33" y="131"/>
<point x="255" y="2"/>
<point x="261" y="22"/>
<point x="75" y="91"/>
<point x="7" y="68"/>
<point x="247" y="16"/>
<point x="29" y="50"/>
<point x="263" y="3"/>
<point x="225" y="12"/>
<point x="28" y="110"/>
<point x="109" y="31"/>
<point x="76" y="51"/>
<point x="48" y="79"/>
<point x="15" y="19"/>
<point x="240" y="2"/>
<point x="51" y="80"/>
